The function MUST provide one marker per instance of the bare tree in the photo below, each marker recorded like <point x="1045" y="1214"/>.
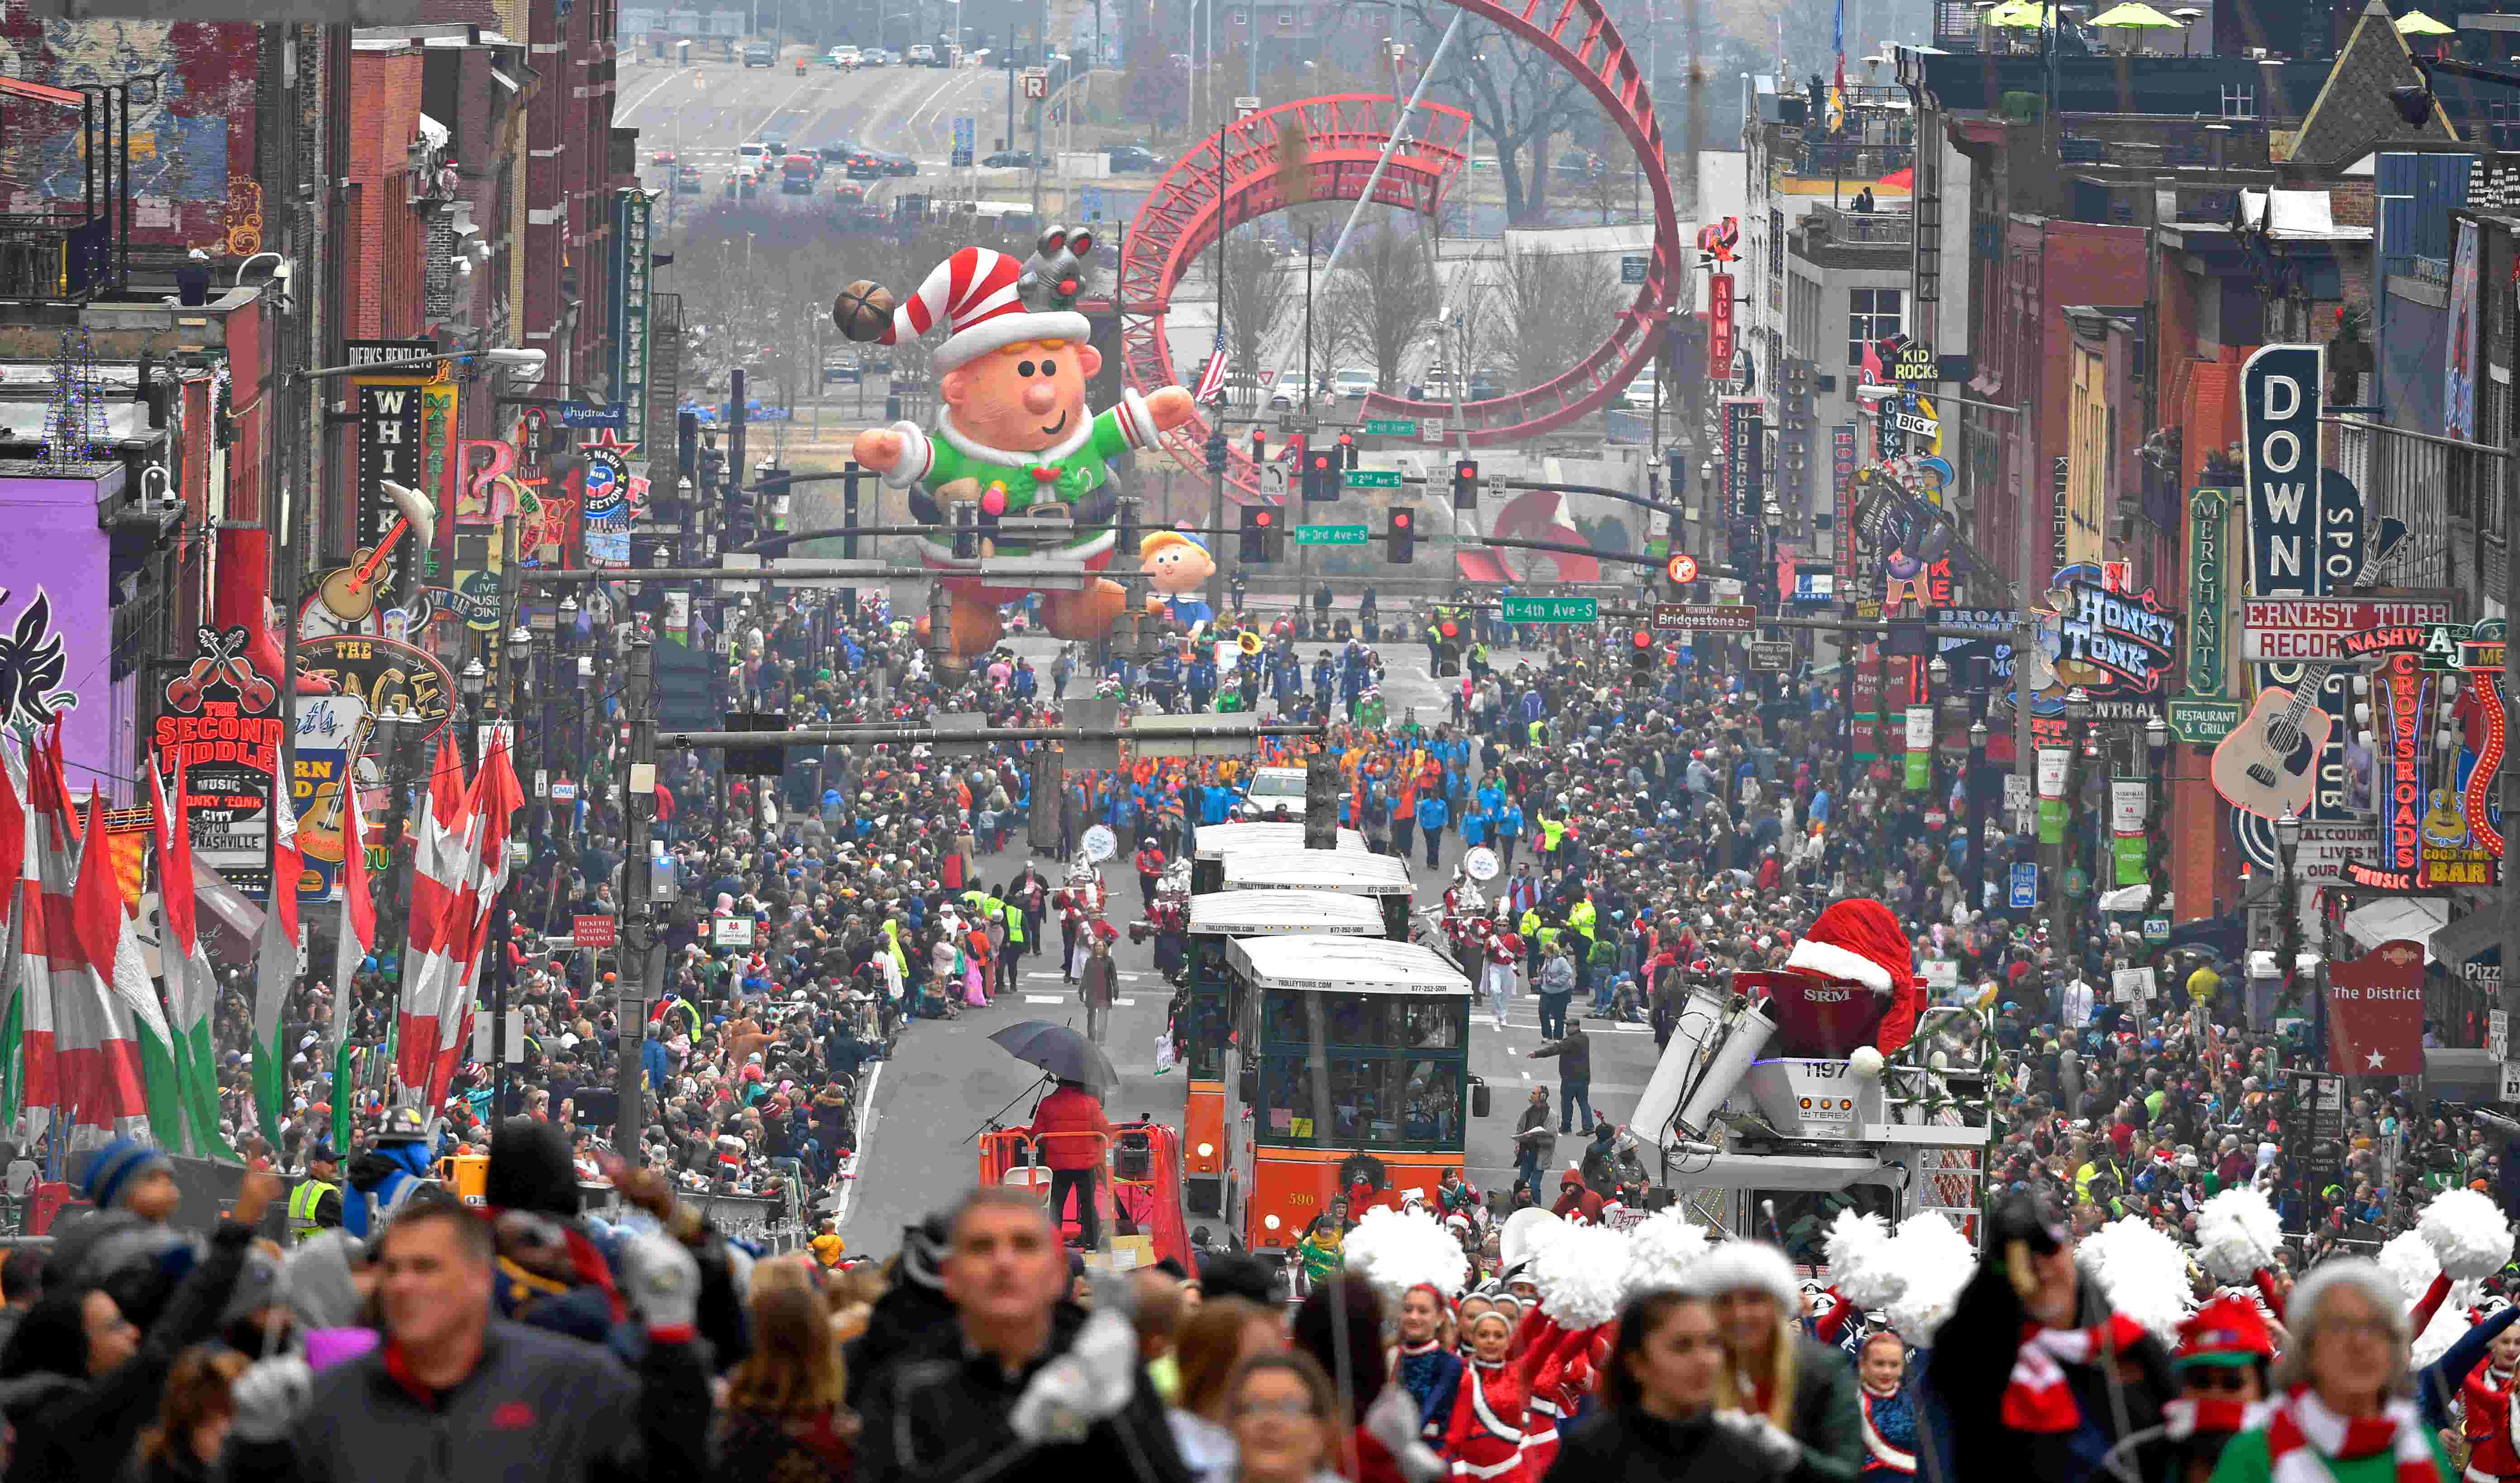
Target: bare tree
<point x="1257" y="288"/>
<point x="1385" y="296"/>
<point x="1515" y="95"/>
<point x="1555" y="308"/>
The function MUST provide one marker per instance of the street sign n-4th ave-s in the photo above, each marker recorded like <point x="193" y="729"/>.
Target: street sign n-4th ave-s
<point x="1551" y="609"/>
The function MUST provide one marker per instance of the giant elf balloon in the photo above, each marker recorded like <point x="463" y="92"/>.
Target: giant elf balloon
<point x="1013" y="435"/>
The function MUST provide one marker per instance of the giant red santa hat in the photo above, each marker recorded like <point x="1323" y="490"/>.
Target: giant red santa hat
<point x="1858" y="940"/>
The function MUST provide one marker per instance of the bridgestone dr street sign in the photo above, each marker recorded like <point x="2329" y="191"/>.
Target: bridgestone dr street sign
<point x="1707" y="617"/>
<point x="1329" y="535"/>
<point x="1551" y="610"/>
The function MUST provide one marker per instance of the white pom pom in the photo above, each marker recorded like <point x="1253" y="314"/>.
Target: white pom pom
<point x="1581" y="1276"/>
<point x="2409" y="1260"/>
<point x="2467" y="1233"/>
<point x="1661" y="1249"/>
<point x="1859" y="1266"/>
<point x="1933" y="1262"/>
<point x="2143" y="1271"/>
<point x="2237" y="1233"/>
<point x="1395" y="1250"/>
<point x="2447" y="1327"/>
<point x="1864" y="1061"/>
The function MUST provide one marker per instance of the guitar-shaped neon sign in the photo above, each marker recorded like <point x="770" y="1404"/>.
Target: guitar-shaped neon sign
<point x="346" y="599"/>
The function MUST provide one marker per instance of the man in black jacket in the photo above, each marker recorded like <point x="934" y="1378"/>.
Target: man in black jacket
<point x="1021" y="1384"/>
<point x="1574" y="1053"/>
<point x="2029" y="1282"/>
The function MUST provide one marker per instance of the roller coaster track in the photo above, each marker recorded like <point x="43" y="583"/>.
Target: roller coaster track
<point x="1184" y="212"/>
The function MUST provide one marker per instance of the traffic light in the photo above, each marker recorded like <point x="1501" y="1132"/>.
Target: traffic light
<point x="1216" y="452"/>
<point x="1259" y="447"/>
<point x="1320" y="474"/>
<point x="1402" y="535"/>
<point x="1466" y="483"/>
<point x="1447" y="650"/>
<point x="1347" y="450"/>
<point x="1259" y="533"/>
<point x="756" y="761"/>
<point x="742" y="521"/>
<point x="1641" y="658"/>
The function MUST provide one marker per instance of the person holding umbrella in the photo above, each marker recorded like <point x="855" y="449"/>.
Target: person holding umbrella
<point x="1061" y="1126"/>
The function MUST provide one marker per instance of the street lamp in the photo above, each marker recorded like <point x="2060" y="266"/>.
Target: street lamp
<point x="2156" y="738"/>
<point x="2287" y="851"/>
<point x="1940" y="672"/>
<point x="1976" y="858"/>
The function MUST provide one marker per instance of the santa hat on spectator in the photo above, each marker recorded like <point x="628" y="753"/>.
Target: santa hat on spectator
<point x="1857" y="940"/>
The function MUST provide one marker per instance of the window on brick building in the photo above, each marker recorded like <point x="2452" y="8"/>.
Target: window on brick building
<point x="1870" y="314"/>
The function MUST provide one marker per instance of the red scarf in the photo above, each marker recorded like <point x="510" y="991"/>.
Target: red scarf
<point x="2302" y="1434"/>
<point x="2039" y="1399"/>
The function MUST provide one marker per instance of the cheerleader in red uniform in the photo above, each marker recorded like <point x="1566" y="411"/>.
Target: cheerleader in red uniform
<point x="1485" y="1441"/>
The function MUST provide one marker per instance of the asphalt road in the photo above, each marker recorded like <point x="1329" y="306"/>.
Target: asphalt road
<point x="917" y="1144"/>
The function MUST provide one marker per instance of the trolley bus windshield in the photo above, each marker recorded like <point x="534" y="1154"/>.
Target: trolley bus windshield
<point x="1390" y="1023"/>
<point x="1218" y="918"/>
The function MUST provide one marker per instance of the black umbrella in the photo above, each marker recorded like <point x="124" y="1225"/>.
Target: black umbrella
<point x="1060" y="1051"/>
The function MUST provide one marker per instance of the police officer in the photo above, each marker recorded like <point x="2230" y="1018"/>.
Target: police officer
<point x="316" y="1204"/>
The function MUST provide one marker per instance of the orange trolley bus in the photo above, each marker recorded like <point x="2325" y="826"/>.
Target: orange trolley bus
<point x="1215" y="919"/>
<point x="1348" y="1076"/>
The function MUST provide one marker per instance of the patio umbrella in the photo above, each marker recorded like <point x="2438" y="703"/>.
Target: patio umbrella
<point x="1902" y="179"/>
<point x="2019" y="17"/>
<point x="1060" y="1051"/>
<point x="2417" y="23"/>
<point x="2133" y="15"/>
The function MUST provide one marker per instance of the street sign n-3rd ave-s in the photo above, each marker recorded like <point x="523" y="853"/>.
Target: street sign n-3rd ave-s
<point x="1329" y="535"/>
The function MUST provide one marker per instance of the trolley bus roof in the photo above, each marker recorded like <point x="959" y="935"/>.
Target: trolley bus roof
<point x="1349" y="964"/>
<point x="1272" y="913"/>
<point x="1215" y="841"/>
<point x="1354" y="870"/>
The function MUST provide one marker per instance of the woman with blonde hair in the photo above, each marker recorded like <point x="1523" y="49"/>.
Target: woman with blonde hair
<point x="1793" y="1397"/>
<point x="182" y="1445"/>
<point x="786" y="1416"/>
<point x="2341" y="1412"/>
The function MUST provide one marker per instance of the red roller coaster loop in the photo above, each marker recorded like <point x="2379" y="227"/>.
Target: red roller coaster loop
<point x="1344" y="135"/>
<point x="1576" y="34"/>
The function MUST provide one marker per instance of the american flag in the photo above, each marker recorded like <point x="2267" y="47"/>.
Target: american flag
<point x="1211" y="380"/>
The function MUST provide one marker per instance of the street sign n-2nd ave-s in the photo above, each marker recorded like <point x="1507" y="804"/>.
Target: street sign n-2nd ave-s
<point x="1371" y="478"/>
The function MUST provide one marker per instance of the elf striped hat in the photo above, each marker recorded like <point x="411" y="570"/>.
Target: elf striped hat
<point x="975" y="295"/>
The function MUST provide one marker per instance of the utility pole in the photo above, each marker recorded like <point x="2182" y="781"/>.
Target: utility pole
<point x="640" y="938"/>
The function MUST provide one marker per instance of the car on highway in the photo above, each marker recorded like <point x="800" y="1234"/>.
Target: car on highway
<point x="842" y="57"/>
<point x="921" y="55"/>
<point x="773" y="147"/>
<point x="744" y="183"/>
<point x="1133" y="159"/>
<point x="687" y="180"/>
<point x="875" y="164"/>
<point x="797" y="173"/>
<point x="661" y="156"/>
<point x="750" y="154"/>
<point x="758" y="54"/>
<point x="1007" y="160"/>
<point x="837" y="154"/>
<point x="1354" y="380"/>
<point x="875" y="56"/>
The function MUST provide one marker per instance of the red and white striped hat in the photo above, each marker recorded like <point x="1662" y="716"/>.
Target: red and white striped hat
<point x="974" y="294"/>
